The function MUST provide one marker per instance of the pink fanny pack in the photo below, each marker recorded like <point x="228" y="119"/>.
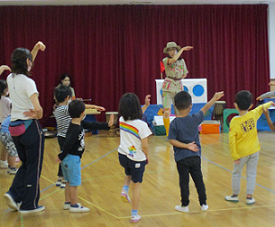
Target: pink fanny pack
<point x="17" y="130"/>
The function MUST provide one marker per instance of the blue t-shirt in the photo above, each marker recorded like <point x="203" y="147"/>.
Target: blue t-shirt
<point x="185" y="130"/>
<point x="5" y="124"/>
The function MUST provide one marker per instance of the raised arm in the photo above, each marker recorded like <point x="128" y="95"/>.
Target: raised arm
<point x="268" y="119"/>
<point x="216" y="97"/>
<point x="266" y="95"/>
<point x="3" y="68"/>
<point x="38" y="46"/>
<point x="146" y="104"/>
<point x="177" y="55"/>
<point x="90" y="106"/>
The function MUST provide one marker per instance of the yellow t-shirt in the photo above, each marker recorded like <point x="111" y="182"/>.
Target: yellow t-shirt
<point x="243" y="137"/>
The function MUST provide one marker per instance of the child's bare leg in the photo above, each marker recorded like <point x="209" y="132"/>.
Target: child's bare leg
<point x="11" y="161"/>
<point x="67" y="193"/>
<point x="73" y="194"/>
<point x="127" y="180"/>
<point x="136" y="195"/>
<point x="125" y="190"/>
<point x="4" y="154"/>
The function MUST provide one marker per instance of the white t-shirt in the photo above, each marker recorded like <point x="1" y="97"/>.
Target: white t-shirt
<point x="5" y="108"/>
<point x="131" y="134"/>
<point x="21" y="88"/>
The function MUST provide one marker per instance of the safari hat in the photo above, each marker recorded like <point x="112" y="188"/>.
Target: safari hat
<point x="171" y="45"/>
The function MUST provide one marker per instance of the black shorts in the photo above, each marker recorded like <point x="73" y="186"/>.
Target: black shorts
<point x="132" y="168"/>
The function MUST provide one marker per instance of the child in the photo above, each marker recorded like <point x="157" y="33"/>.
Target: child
<point x="5" y="110"/>
<point x="184" y="136"/>
<point x="72" y="152"/>
<point x="9" y="145"/>
<point x="5" y="137"/>
<point x="62" y="96"/>
<point x="244" y="145"/>
<point x="133" y="148"/>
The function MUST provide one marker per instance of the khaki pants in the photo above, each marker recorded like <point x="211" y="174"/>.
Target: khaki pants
<point x="169" y="89"/>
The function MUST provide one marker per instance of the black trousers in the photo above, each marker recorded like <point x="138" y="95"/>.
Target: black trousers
<point x="30" y="148"/>
<point x="61" y="142"/>
<point x="192" y="166"/>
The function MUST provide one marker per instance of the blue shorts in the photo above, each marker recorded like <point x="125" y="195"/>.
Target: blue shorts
<point x="132" y="168"/>
<point x="71" y="169"/>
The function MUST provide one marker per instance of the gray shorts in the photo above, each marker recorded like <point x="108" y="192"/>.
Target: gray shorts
<point x="8" y="143"/>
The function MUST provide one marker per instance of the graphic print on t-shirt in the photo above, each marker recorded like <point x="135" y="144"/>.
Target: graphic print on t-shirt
<point x="129" y="128"/>
<point x="132" y="151"/>
<point x="248" y="125"/>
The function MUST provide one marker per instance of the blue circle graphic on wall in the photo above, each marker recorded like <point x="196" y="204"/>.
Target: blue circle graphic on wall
<point x="185" y="88"/>
<point x="198" y="90"/>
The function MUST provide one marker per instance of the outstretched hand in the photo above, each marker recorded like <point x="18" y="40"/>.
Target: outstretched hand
<point x="271" y="84"/>
<point x="193" y="147"/>
<point x="259" y="98"/>
<point x="99" y="108"/>
<point x="111" y="120"/>
<point x="187" y="48"/>
<point x="218" y="95"/>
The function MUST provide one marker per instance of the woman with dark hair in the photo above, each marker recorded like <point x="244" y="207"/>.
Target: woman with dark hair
<point x="66" y="80"/>
<point x="26" y="132"/>
<point x="175" y="70"/>
<point x="133" y="148"/>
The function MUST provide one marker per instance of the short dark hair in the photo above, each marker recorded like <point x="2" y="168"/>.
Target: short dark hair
<point x="76" y="108"/>
<point x="243" y="99"/>
<point x="182" y="100"/>
<point x="62" y="92"/>
<point x="129" y="107"/>
<point x="3" y="86"/>
<point x="18" y="61"/>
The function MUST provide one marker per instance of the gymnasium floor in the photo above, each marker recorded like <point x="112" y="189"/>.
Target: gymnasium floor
<point x="102" y="180"/>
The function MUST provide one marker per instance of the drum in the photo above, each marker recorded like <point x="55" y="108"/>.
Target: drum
<point x="219" y="107"/>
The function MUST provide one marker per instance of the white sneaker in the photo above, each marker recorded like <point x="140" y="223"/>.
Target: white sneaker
<point x="250" y="201"/>
<point x="3" y="164"/>
<point x="125" y="196"/>
<point x="79" y="209"/>
<point x="233" y="199"/>
<point x="12" y="170"/>
<point x="68" y="205"/>
<point x="38" y="209"/>
<point x="182" y="209"/>
<point x="58" y="182"/>
<point x="63" y="184"/>
<point x="10" y="201"/>
<point x="204" y="207"/>
<point x="135" y="218"/>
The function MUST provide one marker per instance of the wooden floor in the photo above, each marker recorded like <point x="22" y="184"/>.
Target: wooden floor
<point x="102" y="181"/>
